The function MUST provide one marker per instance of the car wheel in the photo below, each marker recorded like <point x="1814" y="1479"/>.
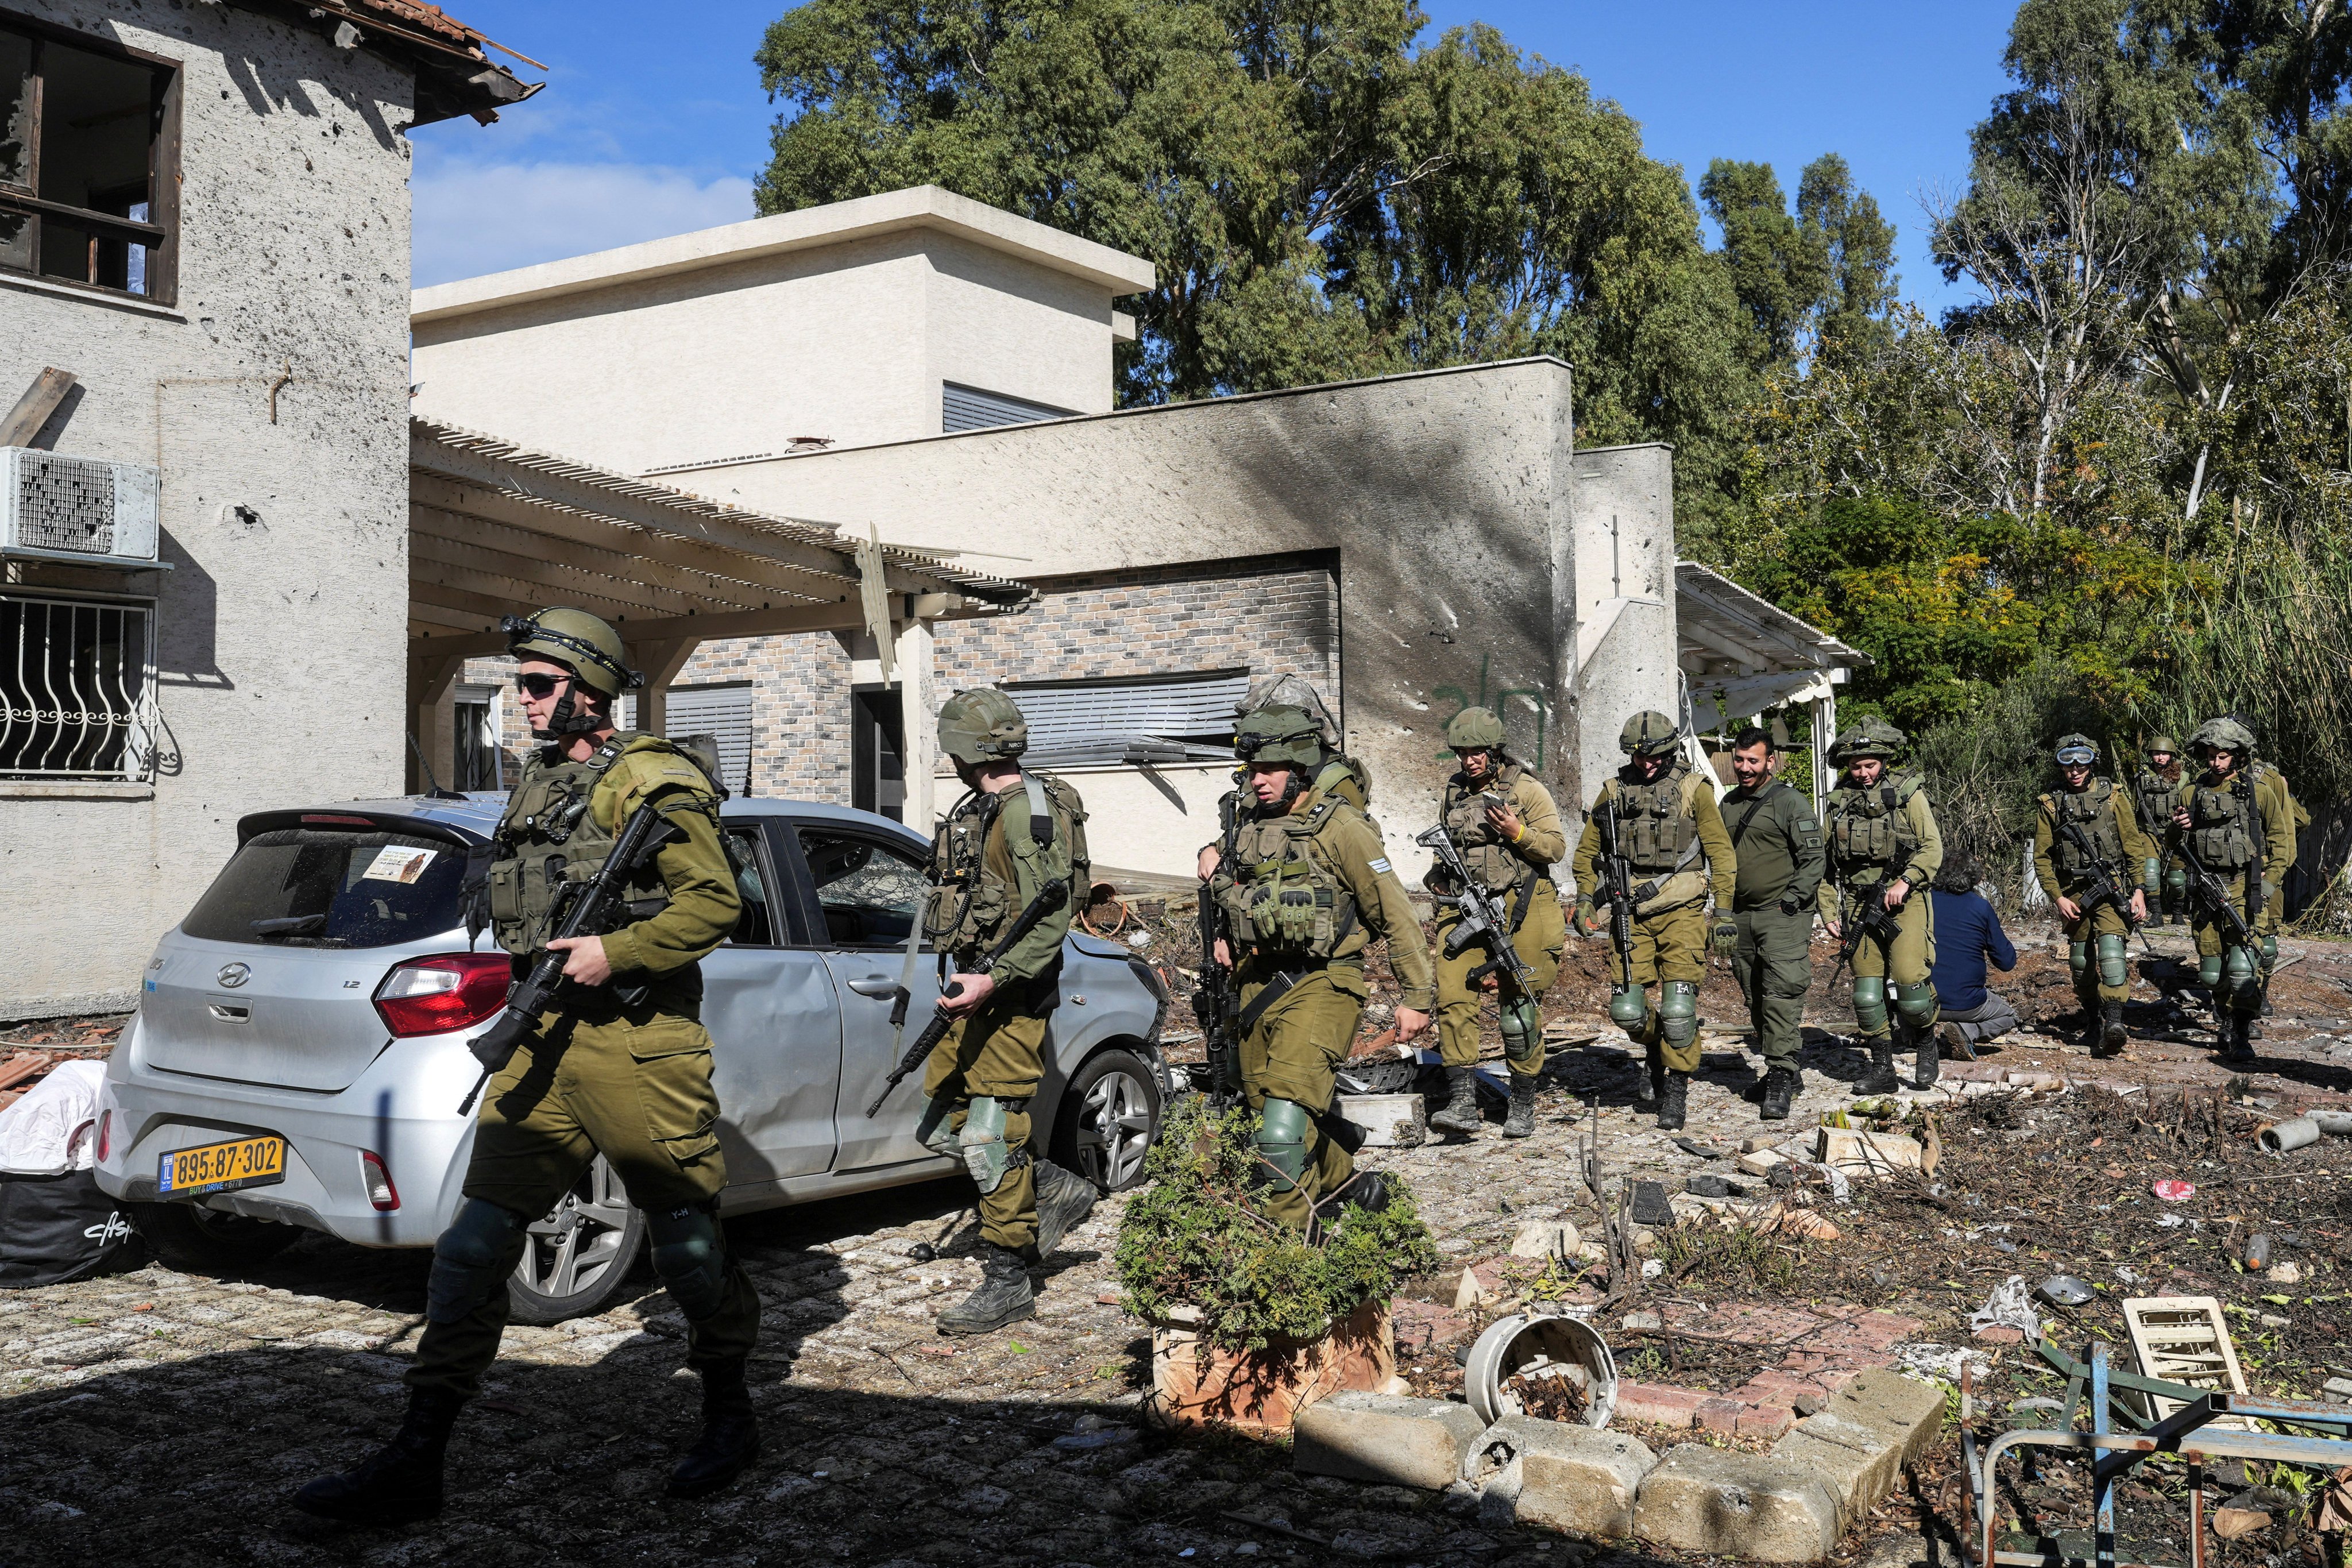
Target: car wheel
<point x="198" y="1240"/>
<point x="575" y="1259"/>
<point x="1110" y="1114"/>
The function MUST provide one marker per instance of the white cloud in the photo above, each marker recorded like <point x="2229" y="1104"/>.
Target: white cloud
<point x="473" y="217"/>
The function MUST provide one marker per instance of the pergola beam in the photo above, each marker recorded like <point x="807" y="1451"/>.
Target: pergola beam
<point x="562" y="578"/>
<point x="841" y="615"/>
<point x="457" y="528"/>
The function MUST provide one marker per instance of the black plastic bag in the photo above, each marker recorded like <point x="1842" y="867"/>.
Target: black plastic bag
<point x="58" y="1229"/>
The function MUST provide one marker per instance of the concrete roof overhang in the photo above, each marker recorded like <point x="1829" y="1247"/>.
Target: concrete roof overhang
<point x="495" y="530"/>
<point x="836" y="222"/>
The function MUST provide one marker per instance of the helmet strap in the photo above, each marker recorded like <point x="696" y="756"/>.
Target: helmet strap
<point x="567" y="717"/>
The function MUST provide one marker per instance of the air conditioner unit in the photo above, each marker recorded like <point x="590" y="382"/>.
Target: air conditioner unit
<point x="63" y="507"/>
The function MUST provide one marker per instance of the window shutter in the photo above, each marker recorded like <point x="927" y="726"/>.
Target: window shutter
<point x="722" y="712"/>
<point x="970" y="408"/>
<point x="1106" y="723"/>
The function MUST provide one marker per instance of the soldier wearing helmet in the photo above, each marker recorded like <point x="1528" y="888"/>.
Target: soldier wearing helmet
<point x="1305" y="886"/>
<point x="2155" y="791"/>
<point x="1666" y="822"/>
<point x="2080" y="829"/>
<point x="2237" y="819"/>
<point x="1508" y="832"/>
<point x="622" y="1070"/>
<point x="1015" y="833"/>
<point x="1884" y="847"/>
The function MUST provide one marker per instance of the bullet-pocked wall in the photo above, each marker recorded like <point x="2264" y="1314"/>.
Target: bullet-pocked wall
<point x="271" y="394"/>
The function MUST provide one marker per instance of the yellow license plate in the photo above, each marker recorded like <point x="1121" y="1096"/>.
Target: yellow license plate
<point x="220" y="1167"/>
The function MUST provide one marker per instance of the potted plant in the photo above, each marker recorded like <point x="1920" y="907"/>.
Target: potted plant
<point x="1253" y="1321"/>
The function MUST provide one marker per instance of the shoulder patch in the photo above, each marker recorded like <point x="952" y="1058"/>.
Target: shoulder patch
<point x="1380" y="866"/>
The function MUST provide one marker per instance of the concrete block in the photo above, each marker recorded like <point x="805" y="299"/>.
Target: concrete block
<point x="1905" y="1409"/>
<point x="1857" y="1152"/>
<point x="1564" y="1476"/>
<point x="1378" y="1437"/>
<point x="1547" y="1238"/>
<point x="1858" y="1464"/>
<point x="1389" y="1120"/>
<point x="1761" y="1161"/>
<point x="1765" y="1420"/>
<point x="1729" y="1504"/>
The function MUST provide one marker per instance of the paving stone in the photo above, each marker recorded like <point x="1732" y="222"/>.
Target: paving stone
<point x="1563" y="1475"/>
<point x="1380" y="1437"/>
<point x="1659" y="1404"/>
<point x="1727" y="1503"/>
<point x="1905" y="1409"/>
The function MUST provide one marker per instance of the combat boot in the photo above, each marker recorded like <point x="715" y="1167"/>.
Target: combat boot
<point x="1882" y="1079"/>
<point x="1926" y="1059"/>
<point x="1674" y="1101"/>
<point x="730" y="1443"/>
<point x="2237" y="1037"/>
<point x="1653" y="1082"/>
<point x="1064" y="1200"/>
<point x="1004" y="1295"/>
<point x="1461" y="1112"/>
<point x="1521" y="1122"/>
<point x="2112" y="1038"/>
<point x="399" y="1483"/>
<point x="1781" y="1087"/>
<point x="1368" y="1190"/>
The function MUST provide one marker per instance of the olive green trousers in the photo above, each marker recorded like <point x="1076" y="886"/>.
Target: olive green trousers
<point x="634" y="1088"/>
<point x="1538" y="942"/>
<point x="1294" y="1053"/>
<point x="998" y="1051"/>
<point x="1774" y="965"/>
<point x="2105" y="921"/>
<point x="1668" y="945"/>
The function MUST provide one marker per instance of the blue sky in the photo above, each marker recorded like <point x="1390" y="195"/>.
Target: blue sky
<point x="640" y="135"/>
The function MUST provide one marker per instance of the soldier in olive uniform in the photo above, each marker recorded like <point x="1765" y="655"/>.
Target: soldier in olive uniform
<point x="2237" y="819"/>
<point x="1667" y="820"/>
<point x="2079" y="830"/>
<point x="1508" y="833"/>
<point x="1884" y="847"/>
<point x="990" y="864"/>
<point x="603" y="1074"/>
<point x="1307" y="887"/>
<point x="1778" y="845"/>
<point x="2154" y="793"/>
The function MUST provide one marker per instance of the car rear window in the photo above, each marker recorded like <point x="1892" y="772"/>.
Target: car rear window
<point x="310" y="887"/>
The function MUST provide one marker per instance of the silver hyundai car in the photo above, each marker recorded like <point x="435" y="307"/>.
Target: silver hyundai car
<point x="299" y="1054"/>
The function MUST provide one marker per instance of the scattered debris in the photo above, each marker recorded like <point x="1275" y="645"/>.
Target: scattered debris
<point x="2007" y="1306"/>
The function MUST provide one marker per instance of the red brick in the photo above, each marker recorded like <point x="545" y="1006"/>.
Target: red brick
<point x="1774" y="1388"/>
<point x="1766" y="1420"/>
<point x="2000" y="1335"/>
<point x="1721" y="1414"/>
<point x="1838" y="1377"/>
<point x="1657" y="1404"/>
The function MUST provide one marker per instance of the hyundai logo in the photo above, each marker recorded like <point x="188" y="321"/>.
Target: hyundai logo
<point x="234" y="975"/>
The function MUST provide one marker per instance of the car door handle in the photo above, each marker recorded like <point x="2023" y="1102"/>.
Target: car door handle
<point x="877" y="986"/>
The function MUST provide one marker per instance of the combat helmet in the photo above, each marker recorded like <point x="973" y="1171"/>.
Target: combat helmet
<point x="1649" y="733"/>
<point x="2164" y="744"/>
<point x="2075" y="749"/>
<point x="1474" y="730"/>
<point x="576" y="640"/>
<point x="1279" y="732"/>
<point x="982" y="726"/>
<point x="1871" y="738"/>
<point x="2223" y="734"/>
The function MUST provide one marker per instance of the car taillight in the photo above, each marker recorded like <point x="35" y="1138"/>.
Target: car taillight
<point x="105" y="1133"/>
<point x="434" y="995"/>
<point x="377" y="1179"/>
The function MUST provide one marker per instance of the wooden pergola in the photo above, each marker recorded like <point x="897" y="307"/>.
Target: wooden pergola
<point x="497" y="530"/>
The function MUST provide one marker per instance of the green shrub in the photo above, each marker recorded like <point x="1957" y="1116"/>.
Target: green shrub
<point x="1198" y="1237"/>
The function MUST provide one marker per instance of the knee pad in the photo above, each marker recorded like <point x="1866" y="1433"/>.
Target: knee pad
<point x="1628" y="1006"/>
<point x="1678" y="1012"/>
<point x="1281" y="1143"/>
<point x="1916" y="1005"/>
<point x="2112" y="969"/>
<point x="932" y="1128"/>
<point x="2152" y="877"/>
<point x="2175" y="881"/>
<point x="1522" y="1034"/>
<point x="2269" y="953"/>
<point x="2209" y="969"/>
<point x="471" y="1259"/>
<point x="1870" y="1003"/>
<point x="690" y="1255"/>
<point x="981" y="1144"/>
<point x="2241" y="978"/>
<point x="2078" y="959"/>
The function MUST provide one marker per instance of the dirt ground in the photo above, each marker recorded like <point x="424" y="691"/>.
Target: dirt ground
<point x="163" y="1417"/>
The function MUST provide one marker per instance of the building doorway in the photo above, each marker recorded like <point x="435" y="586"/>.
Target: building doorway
<point x="877" y="735"/>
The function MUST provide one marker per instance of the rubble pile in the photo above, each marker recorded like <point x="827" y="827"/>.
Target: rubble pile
<point x="29" y="1051"/>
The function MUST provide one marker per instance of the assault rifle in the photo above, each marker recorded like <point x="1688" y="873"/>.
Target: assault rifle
<point x="2103" y="889"/>
<point x="1874" y="919"/>
<point x="1215" y="1002"/>
<point x="582" y="909"/>
<point x="1482" y="917"/>
<point x="2207" y="889"/>
<point x="1050" y="898"/>
<point x="1617" y="885"/>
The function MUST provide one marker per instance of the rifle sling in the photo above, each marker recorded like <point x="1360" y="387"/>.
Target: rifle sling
<point x="1282" y="984"/>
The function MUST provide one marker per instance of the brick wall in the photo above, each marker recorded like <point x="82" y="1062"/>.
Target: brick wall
<point x="799" y="709"/>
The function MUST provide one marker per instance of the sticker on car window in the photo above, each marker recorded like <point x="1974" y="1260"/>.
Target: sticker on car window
<point x="398" y="863"/>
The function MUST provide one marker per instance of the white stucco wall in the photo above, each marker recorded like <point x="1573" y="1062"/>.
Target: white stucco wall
<point x="280" y="642"/>
<point x="848" y="340"/>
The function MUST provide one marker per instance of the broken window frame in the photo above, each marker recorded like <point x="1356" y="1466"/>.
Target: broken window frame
<point x="158" y="235"/>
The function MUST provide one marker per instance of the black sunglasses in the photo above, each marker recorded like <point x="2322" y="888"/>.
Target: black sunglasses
<point x="539" y="686"/>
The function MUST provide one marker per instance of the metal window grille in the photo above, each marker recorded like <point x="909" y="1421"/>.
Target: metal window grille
<point x="1094" y="723"/>
<point x="77" y="688"/>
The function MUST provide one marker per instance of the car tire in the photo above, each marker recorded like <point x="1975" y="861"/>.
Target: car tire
<point x="1118" y="1087"/>
<point x="578" y="1257"/>
<point x="197" y="1240"/>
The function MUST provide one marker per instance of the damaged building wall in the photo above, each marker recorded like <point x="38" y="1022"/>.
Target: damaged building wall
<point x="282" y="628"/>
<point x="1467" y="559"/>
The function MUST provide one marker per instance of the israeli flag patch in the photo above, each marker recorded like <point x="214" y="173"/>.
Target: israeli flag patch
<point x="1379" y="867"/>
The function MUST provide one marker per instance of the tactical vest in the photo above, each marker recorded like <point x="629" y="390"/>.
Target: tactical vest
<point x="2222" y="831"/>
<point x="549" y="837"/>
<point x="1278" y="896"/>
<point x="2088" y="810"/>
<point x="1871" y="835"/>
<point x="1488" y="855"/>
<point x="1657" y="827"/>
<point x="2152" y="796"/>
<point x="971" y="906"/>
